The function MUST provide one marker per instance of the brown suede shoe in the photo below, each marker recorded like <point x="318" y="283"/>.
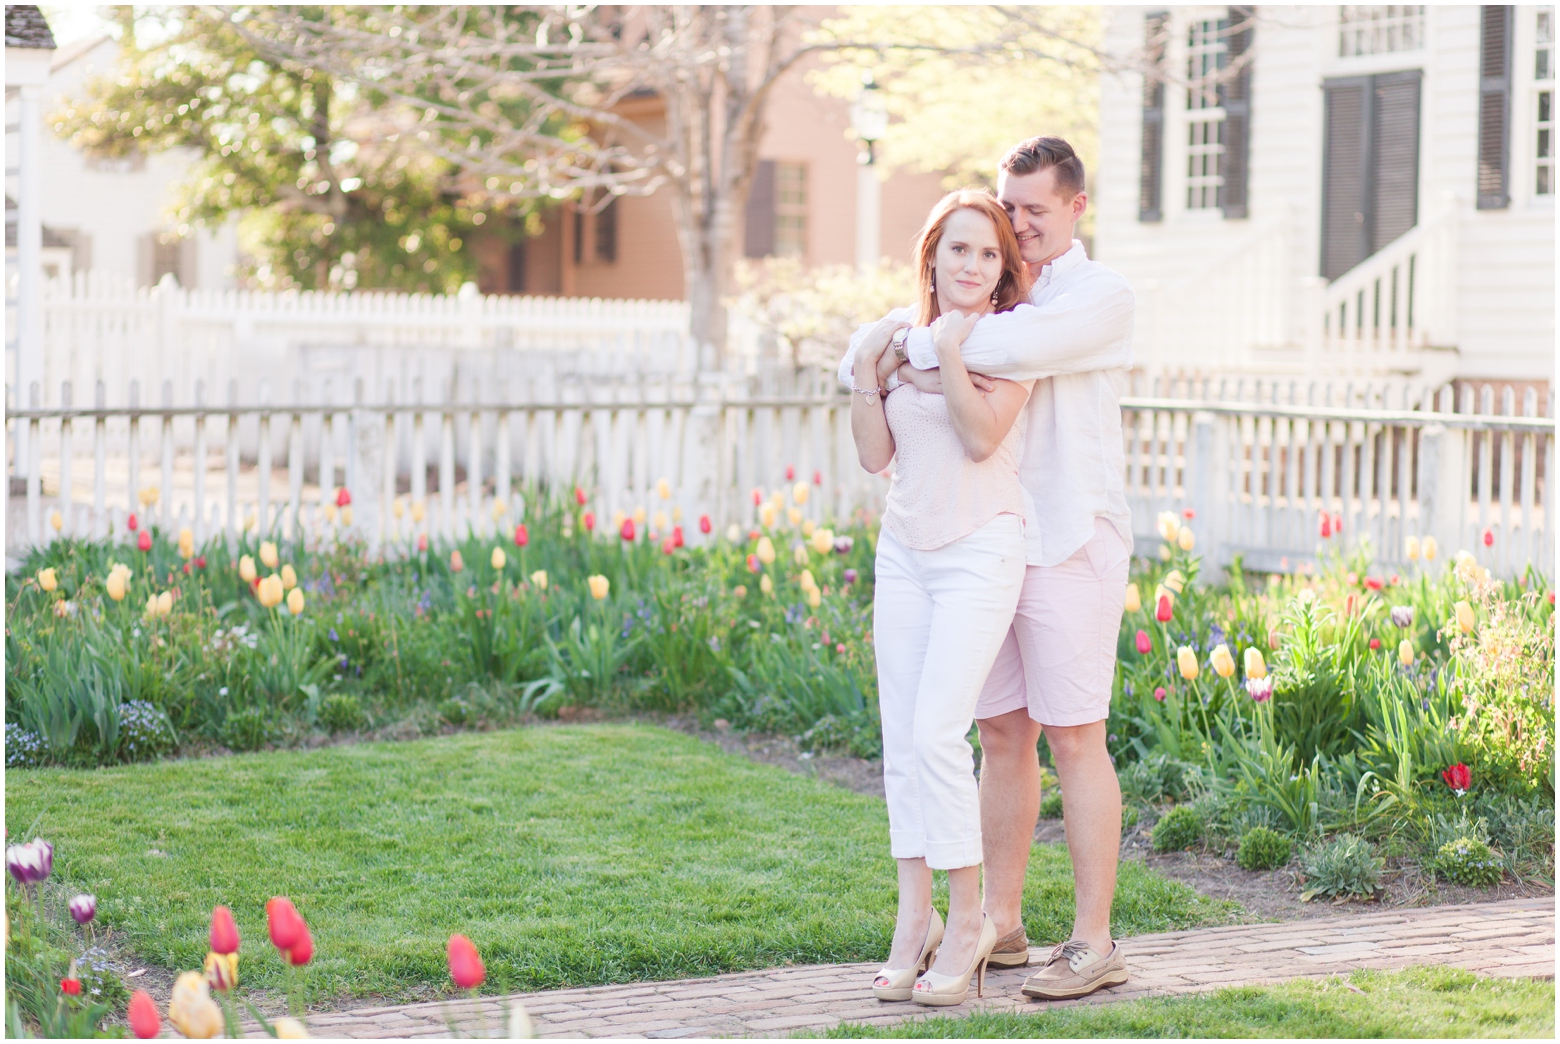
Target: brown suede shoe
<point x="1012" y="950"/>
<point x="1075" y="969"/>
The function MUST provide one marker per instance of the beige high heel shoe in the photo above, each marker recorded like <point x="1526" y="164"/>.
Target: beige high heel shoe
<point x="943" y="990"/>
<point x="900" y="983"/>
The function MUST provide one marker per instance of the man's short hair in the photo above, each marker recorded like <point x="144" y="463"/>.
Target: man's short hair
<point x="1037" y="154"/>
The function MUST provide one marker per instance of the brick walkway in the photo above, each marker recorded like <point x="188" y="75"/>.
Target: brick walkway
<point x="1515" y="938"/>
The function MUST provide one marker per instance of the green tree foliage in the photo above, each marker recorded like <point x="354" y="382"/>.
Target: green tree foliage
<point x="333" y="186"/>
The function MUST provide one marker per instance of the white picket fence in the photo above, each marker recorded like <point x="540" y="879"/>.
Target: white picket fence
<point x="1257" y="462"/>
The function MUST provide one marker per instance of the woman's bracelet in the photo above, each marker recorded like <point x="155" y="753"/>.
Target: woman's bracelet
<point x="875" y="393"/>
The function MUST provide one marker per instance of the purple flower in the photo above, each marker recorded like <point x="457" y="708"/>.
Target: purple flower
<point x="1403" y="615"/>
<point x="83" y="908"/>
<point x="32" y="862"/>
<point x="1260" y="689"/>
<point x="850" y="576"/>
<point x="843" y="544"/>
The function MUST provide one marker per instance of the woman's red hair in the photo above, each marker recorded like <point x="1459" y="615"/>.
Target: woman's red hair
<point x="1013" y="285"/>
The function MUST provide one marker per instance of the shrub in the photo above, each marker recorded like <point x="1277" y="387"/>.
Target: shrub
<point x="456" y="711"/>
<point x="144" y="731"/>
<point x="1051" y="804"/>
<point x="24" y="749"/>
<point x="249" y="728"/>
<point x="1158" y="778"/>
<point x="342" y="712"/>
<point x="1263" y="849"/>
<point x="831" y="733"/>
<point x="1467" y="861"/>
<point x="1178" y="829"/>
<point x="1347" y="865"/>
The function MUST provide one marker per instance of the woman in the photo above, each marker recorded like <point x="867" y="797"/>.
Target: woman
<point x="950" y="563"/>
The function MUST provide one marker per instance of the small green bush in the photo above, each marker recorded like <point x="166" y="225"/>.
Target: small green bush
<point x="144" y="731"/>
<point x="1346" y="865"/>
<point x="1051" y="804"/>
<point x="248" y="729"/>
<point x="1178" y="829"/>
<point x="342" y="712"/>
<point x="456" y="711"/>
<point x="1263" y="849"/>
<point x="1468" y="861"/>
<point x="831" y="733"/>
<point x="1129" y="818"/>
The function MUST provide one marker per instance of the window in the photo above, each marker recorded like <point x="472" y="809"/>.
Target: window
<point x="1370" y="165"/>
<point x="1206" y="53"/>
<point x="607" y="232"/>
<point x="1380" y="28"/>
<point x="791" y="209"/>
<point x="1544" y="103"/>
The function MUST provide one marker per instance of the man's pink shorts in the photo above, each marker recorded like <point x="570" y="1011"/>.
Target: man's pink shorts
<point x="1059" y="657"/>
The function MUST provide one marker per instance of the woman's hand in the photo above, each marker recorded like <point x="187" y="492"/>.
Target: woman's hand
<point x="869" y="356"/>
<point x="949" y="331"/>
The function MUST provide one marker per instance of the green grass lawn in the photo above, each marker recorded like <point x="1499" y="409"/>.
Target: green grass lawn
<point x="1420" y="1002"/>
<point x="570" y="855"/>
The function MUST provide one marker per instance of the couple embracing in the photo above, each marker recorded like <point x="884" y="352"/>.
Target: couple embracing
<point x="1001" y="573"/>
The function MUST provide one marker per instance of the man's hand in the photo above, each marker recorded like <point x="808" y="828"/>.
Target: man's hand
<point x="930" y="381"/>
<point x="870" y="354"/>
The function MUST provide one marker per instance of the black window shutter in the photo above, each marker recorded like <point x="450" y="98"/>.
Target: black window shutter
<point x="1395" y="166"/>
<point x="607" y="231"/>
<point x="1151" y="177"/>
<point x="1345" y="173"/>
<point x="516" y="281"/>
<point x="579" y="235"/>
<point x="1235" y="97"/>
<point x="759" y="220"/>
<point x="1494" y="106"/>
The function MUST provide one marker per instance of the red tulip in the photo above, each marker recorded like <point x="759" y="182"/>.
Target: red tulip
<point x="522" y="537"/>
<point x="1375" y="643"/>
<point x="1338" y="525"/>
<point x="627" y="532"/>
<point x="144" y="1020"/>
<point x="303" y="952"/>
<point x="668" y="546"/>
<point x="465" y="963"/>
<point x="186" y="568"/>
<point x="588" y="520"/>
<point x="752" y="563"/>
<point x="285" y="923"/>
<point x="1164" y="610"/>
<point x="200" y="562"/>
<point x="579" y="496"/>
<point x="422" y="541"/>
<point x="343" y="497"/>
<point x="71" y="986"/>
<point x="817" y="478"/>
<point x="224" y="933"/>
<point x="1489" y="538"/>
<point x="144" y="541"/>
<point x="790" y="472"/>
<point x="677" y="535"/>
<point x="1143" y="643"/>
<point x="1326" y="527"/>
<point x="1458" y="777"/>
<point x="704" y="524"/>
<point x="1159" y="693"/>
<point x="758" y="496"/>
<point x="1188" y="514"/>
<point x="130" y="522"/>
<point x="1374" y="583"/>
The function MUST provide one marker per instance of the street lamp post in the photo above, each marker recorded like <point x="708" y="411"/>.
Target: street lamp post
<point x="870" y="119"/>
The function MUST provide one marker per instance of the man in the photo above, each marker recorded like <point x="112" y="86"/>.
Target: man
<point x="1056" y="667"/>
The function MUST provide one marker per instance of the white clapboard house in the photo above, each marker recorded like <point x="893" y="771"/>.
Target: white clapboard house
<point x="1334" y="190"/>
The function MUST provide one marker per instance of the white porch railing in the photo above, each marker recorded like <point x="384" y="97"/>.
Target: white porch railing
<point x="1257" y="474"/>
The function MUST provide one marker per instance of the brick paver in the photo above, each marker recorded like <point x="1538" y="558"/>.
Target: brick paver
<point x="1514" y="939"/>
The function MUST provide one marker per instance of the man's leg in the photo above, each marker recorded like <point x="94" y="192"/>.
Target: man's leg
<point x="1091" y="808"/>
<point x="1009" y="809"/>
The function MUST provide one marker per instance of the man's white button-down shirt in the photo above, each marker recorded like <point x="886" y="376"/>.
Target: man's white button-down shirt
<point x="1075" y="339"/>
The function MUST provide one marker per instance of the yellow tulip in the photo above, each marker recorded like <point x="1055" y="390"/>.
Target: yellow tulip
<point x="539" y="579"/>
<point x="740" y="591"/>
<point x="617" y="520"/>
<point x="799" y="554"/>
<point x="662" y="523"/>
<point x="268" y="555"/>
<point x="398" y="507"/>
<point x="1411" y="547"/>
<point x="677" y="513"/>
<point x="799" y="492"/>
<point x="419" y="510"/>
<point x="186" y="542"/>
<point x="165" y="603"/>
<point x="766" y="516"/>
<point x="823" y="541"/>
<point x="148" y="496"/>
<point x="457" y="563"/>
<point x="777" y="498"/>
<point x="599" y="587"/>
<point x="806" y="580"/>
<point x="56" y="520"/>
<point x="295" y="601"/>
<point x="663" y="489"/>
<point x="809" y="527"/>
<point x="1405" y="652"/>
<point x="47" y="580"/>
<point x="289" y="1029"/>
<point x="1223" y="663"/>
<point x="1186" y="540"/>
<point x="1256" y="667"/>
<point x="814" y="597"/>
<point x="329" y="511"/>
<point x="1186" y="660"/>
<point x="765" y="551"/>
<point x="1464" y="617"/>
<point x="1134" y="600"/>
<point x="1168" y="525"/>
<point x="766" y="585"/>
<point x="289" y="577"/>
<point x="734" y="533"/>
<point x="270" y="592"/>
<point x="346" y="515"/>
<point x="1428" y="548"/>
<point x="793" y="516"/>
<point x="1164" y="552"/>
<point x="151" y="606"/>
<point x="246" y="569"/>
<point x="639" y="515"/>
<point x="221" y="970"/>
<point x="191" y="1009"/>
<point x="1175" y="581"/>
<point x="497" y="559"/>
<point x="115" y="584"/>
<point x="500" y="509"/>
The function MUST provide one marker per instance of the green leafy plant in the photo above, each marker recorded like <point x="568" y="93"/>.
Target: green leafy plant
<point x="1178" y="829"/>
<point x="1342" y="867"/>
<point x="249" y="728"/>
<point x="1467" y="861"/>
<point x="1051" y="803"/>
<point x="341" y="712"/>
<point x="1263" y="849"/>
